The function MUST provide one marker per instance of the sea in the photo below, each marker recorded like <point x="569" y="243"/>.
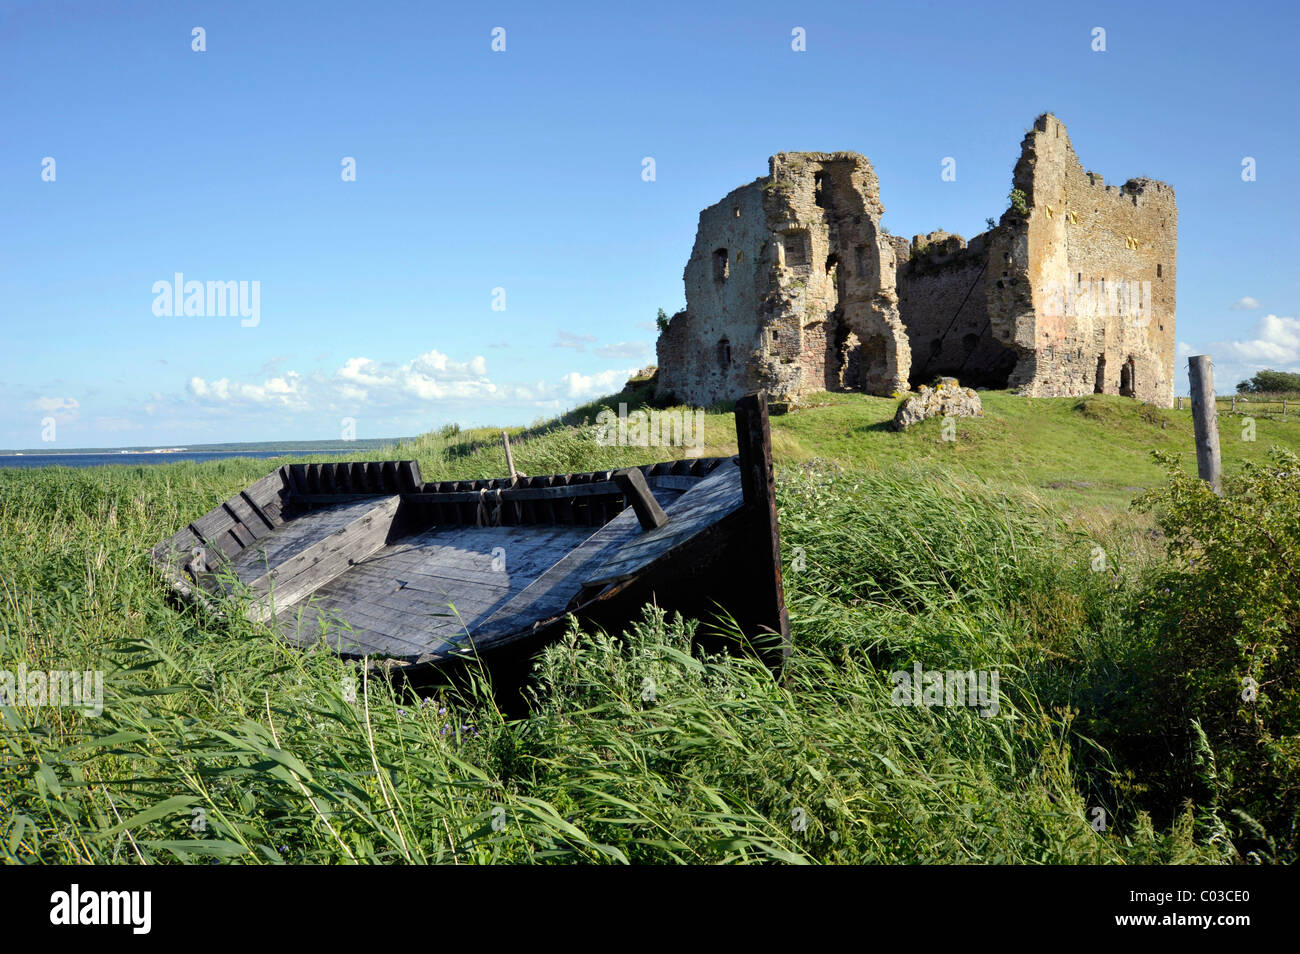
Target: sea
<point x="98" y="460"/>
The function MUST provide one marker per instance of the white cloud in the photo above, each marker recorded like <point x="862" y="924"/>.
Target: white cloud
<point x="57" y="405"/>
<point x="623" y="349"/>
<point x="1245" y="304"/>
<point x="284" y="391"/>
<point x="587" y="386"/>
<point x="403" y="387"/>
<point x="1276" y="343"/>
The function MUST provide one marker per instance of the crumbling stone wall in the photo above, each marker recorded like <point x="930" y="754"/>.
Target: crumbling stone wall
<point x="1085" y="278"/>
<point x="793" y="287"/>
<point x="943" y="297"/>
<point x="703" y="355"/>
<point x="790" y="288"/>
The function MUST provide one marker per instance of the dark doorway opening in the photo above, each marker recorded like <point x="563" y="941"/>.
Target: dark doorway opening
<point x="1128" y="379"/>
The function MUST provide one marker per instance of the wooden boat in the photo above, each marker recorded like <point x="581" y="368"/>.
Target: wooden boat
<point x="377" y="563"/>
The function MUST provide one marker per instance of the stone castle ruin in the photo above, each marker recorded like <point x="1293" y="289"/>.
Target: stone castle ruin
<point x="794" y="287"/>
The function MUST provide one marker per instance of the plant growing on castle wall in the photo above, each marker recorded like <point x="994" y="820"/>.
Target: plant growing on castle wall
<point x="1019" y="201"/>
<point x="662" y="320"/>
<point x="989" y="223"/>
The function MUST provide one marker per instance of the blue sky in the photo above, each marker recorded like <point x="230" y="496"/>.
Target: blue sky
<point x="521" y="170"/>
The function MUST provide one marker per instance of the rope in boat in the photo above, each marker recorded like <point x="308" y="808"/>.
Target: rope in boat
<point x="482" y="518"/>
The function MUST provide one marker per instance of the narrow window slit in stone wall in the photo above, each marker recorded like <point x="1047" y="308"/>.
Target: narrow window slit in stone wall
<point x="721" y="267"/>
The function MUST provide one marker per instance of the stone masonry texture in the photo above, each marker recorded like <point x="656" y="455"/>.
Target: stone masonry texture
<point x="792" y="287"/>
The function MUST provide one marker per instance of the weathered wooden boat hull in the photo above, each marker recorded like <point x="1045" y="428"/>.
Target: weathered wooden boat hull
<point x="377" y="563"/>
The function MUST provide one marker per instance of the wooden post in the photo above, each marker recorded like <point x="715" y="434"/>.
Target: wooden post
<point x="1205" y="421"/>
<point x="758" y="483"/>
<point x="510" y="457"/>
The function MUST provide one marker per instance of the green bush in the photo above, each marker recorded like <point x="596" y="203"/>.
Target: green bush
<point x="1223" y="619"/>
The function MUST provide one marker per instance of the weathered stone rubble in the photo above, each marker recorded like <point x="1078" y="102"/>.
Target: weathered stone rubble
<point x="947" y="397"/>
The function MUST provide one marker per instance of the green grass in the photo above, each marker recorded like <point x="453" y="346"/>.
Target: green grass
<point x="899" y="548"/>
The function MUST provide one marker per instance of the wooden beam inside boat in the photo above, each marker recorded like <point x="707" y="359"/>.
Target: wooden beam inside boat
<point x="311" y="568"/>
<point x="632" y="482"/>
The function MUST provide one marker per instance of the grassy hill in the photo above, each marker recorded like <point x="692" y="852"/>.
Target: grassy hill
<point x="900" y="549"/>
<point x="1094" y="450"/>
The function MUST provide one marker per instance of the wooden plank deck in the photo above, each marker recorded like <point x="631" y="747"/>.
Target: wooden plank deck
<point x="716" y="496"/>
<point x="290" y="539"/>
<point x="322" y="557"/>
<point x="438" y="593"/>
<point x="422" y="596"/>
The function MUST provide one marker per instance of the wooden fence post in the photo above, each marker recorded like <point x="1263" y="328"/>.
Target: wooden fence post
<point x="1205" y="421"/>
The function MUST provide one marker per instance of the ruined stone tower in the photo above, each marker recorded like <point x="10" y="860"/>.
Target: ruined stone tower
<point x="1084" y="282"/>
<point x="792" y="287"/>
<point x="789" y="289"/>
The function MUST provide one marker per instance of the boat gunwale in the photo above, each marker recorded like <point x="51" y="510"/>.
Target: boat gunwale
<point x="304" y="489"/>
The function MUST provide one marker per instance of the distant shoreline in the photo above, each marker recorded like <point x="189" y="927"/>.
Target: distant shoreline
<point x="289" y="448"/>
<point x="175" y="450"/>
